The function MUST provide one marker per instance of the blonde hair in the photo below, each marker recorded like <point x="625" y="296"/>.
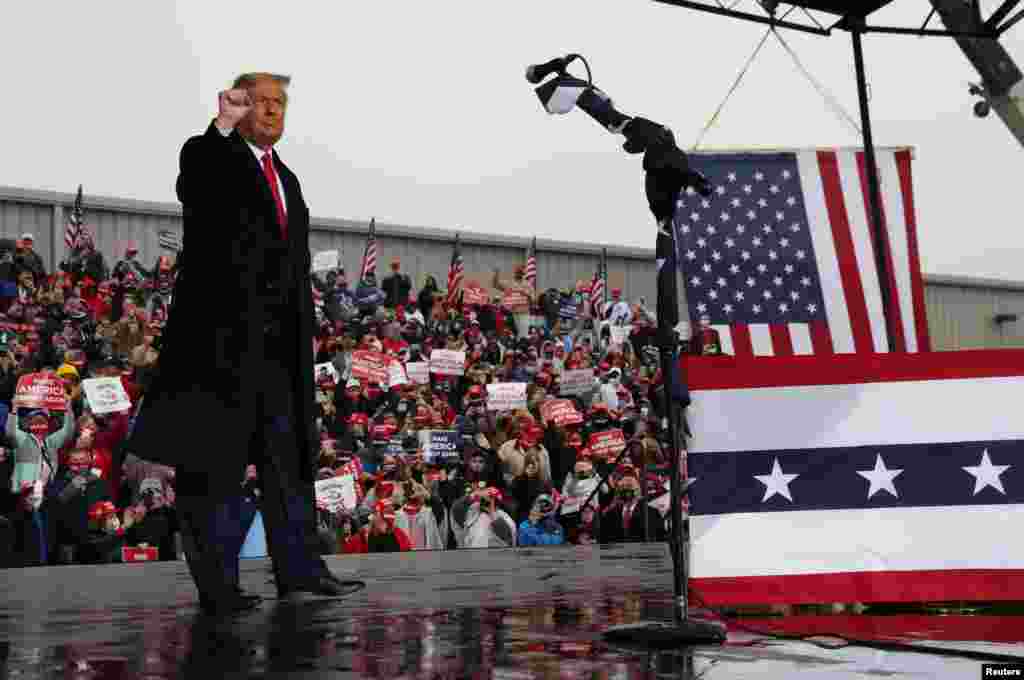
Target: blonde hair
<point x="247" y="80"/>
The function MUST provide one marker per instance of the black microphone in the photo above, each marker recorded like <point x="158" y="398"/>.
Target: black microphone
<point x="538" y="72"/>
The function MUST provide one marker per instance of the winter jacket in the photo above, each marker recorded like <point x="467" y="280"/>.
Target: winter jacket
<point x="397" y="288"/>
<point x="513" y="458"/>
<point x="30" y="261"/>
<point x="71" y="511"/>
<point x="361" y="543"/>
<point x="474" y="528"/>
<point x="29" y="460"/>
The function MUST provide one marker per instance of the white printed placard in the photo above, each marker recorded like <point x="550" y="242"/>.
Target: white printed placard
<point x="325" y="371"/>
<point x="447" y="362"/>
<point x="106" y="395"/>
<point x="506" y="396"/>
<point x="337" y="493"/>
<point x="396" y="374"/>
<point x="576" y="382"/>
<point x="326" y="260"/>
<point x="620" y="334"/>
<point x="418" y="372"/>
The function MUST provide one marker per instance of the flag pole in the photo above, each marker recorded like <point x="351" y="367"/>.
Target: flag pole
<point x="604" y="277"/>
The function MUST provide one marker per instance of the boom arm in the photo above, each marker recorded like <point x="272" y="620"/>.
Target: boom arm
<point x="1002" y="83"/>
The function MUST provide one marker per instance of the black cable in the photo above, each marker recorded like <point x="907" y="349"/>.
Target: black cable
<point x="891" y="646"/>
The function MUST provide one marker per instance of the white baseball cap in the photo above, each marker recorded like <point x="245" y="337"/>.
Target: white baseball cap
<point x="27" y="237"/>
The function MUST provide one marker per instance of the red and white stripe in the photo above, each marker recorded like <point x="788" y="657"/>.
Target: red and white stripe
<point x="369" y="258"/>
<point x="530" y="274"/>
<point x="597" y="295"/>
<point x="835" y="193"/>
<point x="456" y="270"/>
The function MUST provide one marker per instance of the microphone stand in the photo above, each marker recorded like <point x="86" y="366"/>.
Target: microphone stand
<point x="667" y="173"/>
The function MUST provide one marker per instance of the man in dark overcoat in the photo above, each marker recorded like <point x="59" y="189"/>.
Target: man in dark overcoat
<point x="234" y="383"/>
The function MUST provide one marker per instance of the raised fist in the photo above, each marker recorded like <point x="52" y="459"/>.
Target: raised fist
<point x="234" y="105"/>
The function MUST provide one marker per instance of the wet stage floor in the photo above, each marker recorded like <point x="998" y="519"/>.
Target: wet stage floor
<point x="501" y="614"/>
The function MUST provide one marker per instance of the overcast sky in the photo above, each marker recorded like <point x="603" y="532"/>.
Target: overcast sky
<point x="418" y="113"/>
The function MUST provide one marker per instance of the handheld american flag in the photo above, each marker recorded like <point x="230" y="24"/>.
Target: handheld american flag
<point x="531" y="265"/>
<point x="597" y="289"/>
<point x="74" y="226"/>
<point x="781" y="257"/>
<point x="369" y="263"/>
<point x="455" y="272"/>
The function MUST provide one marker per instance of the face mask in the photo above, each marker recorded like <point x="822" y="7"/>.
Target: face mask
<point x="40" y="430"/>
<point x="583" y="474"/>
<point x="389" y="470"/>
<point x="627" y="494"/>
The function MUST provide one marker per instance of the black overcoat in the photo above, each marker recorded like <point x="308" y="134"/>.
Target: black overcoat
<point x="205" y="401"/>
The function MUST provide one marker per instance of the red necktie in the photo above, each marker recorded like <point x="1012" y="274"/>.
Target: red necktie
<point x="268" y="170"/>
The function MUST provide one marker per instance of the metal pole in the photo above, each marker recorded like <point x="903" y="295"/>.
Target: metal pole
<point x="667" y="346"/>
<point x="874" y="196"/>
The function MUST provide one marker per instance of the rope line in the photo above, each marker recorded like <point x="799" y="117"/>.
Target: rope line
<point x="739" y="78"/>
<point x="837" y="108"/>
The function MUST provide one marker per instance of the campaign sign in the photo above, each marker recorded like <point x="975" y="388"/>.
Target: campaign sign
<point x="473" y="294"/>
<point x="561" y="412"/>
<point x="337" y="493"/>
<point x="447" y="362"/>
<point x="324" y="371"/>
<point x="577" y="382"/>
<point x="607" y="444"/>
<point x="396" y="374"/>
<point x="139" y="554"/>
<point x="36" y="390"/>
<point x="393" y="447"/>
<point x="506" y="396"/>
<point x="418" y="372"/>
<point x="371" y="366"/>
<point x="106" y="395"/>
<point x="568" y="309"/>
<point x="326" y="260"/>
<point x="440" y="446"/>
<point x="620" y="334"/>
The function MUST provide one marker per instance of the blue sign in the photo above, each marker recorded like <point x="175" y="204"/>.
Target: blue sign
<point x="440" y="446"/>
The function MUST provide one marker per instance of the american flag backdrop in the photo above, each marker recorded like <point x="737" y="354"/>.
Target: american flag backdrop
<point x="531" y="265"/>
<point x="781" y="257"/>
<point x="74" y="226"/>
<point x="857" y="478"/>
<point x="370" y="254"/>
<point x="456" y="270"/>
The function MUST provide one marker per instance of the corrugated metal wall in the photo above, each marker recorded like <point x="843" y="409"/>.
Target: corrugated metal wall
<point x="961" y="312"/>
<point x="963" y="316"/>
<point x="115" y="222"/>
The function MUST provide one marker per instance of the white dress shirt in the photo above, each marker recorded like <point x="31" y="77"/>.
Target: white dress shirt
<point x="259" y="153"/>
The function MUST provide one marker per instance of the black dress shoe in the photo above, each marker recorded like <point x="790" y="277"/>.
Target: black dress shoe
<point x="326" y="586"/>
<point x="228" y="606"/>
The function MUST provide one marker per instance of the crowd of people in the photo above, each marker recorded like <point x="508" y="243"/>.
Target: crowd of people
<point x="429" y="457"/>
